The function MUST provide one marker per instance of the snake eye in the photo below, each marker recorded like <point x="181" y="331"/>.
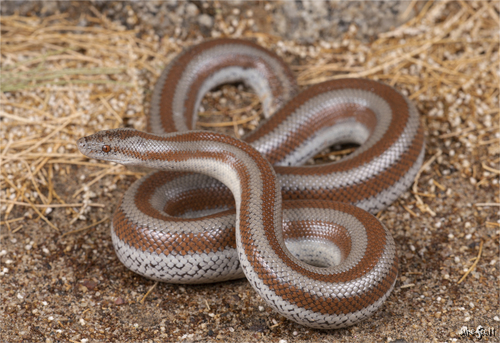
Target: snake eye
<point x="106" y="148"/>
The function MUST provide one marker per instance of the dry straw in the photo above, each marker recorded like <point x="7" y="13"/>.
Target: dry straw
<point x="61" y="81"/>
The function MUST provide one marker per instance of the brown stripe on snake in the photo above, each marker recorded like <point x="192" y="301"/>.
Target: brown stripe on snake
<point x="163" y="242"/>
<point x="277" y="142"/>
<point x="347" y="110"/>
<point x="281" y="91"/>
<point x="319" y="304"/>
<point x="314" y="230"/>
<point x="257" y="185"/>
<point x="201" y="198"/>
<point x="143" y="196"/>
<point x="374" y="249"/>
<point x="333" y="264"/>
<point x="144" y="239"/>
<point x="216" y="197"/>
<point x="329" y="116"/>
<point x="376" y="238"/>
<point x="369" y="188"/>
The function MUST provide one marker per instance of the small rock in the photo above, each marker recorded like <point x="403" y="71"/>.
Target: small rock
<point x="206" y="21"/>
<point x="120" y="301"/>
<point x="89" y="284"/>
<point x="192" y="10"/>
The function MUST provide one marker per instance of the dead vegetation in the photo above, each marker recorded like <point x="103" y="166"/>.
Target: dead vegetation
<point x="62" y="81"/>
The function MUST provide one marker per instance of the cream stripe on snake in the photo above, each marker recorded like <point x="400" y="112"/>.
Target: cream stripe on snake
<point x="324" y="297"/>
<point x="324" y="264"/>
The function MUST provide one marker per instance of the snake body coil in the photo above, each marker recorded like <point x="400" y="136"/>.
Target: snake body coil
<point x="317" y="261"/>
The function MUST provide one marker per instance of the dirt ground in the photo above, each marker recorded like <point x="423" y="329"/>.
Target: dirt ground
<point x="68" y="71"/>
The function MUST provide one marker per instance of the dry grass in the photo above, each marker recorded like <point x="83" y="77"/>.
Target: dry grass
<point x="61" y="81"/>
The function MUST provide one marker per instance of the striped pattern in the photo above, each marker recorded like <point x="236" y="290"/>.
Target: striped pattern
<point x="317" y="296"/>
<point x="214" y="211"/>
<point x="374" y="115"/>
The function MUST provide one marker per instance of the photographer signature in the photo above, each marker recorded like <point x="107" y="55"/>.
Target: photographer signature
<point x="479" y="332"/>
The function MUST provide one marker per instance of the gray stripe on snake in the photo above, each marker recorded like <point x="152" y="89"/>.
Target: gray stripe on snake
<point x="258" y="82"/>
<point x="295" y="277"/>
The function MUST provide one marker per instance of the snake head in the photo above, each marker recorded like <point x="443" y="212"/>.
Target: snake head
<point x="110" y="145"/>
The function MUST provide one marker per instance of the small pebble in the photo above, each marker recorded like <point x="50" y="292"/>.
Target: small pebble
<point x="206" y="21"/>
<point x="192" y="10"/>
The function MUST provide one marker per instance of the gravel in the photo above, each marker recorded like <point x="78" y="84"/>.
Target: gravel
<point x="72" y="288"/>
<point x="303" y="21"/>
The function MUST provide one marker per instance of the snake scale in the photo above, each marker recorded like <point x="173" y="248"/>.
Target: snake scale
<point x="219" y="208"/>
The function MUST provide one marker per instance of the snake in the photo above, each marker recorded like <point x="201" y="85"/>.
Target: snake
<point x="216" y="208"/>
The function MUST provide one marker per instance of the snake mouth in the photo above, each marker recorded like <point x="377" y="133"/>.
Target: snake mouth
<point x="83" y="146"/>
<point x="95" y="149"/>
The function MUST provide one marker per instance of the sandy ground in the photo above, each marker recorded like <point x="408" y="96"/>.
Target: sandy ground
<point x="64" y="77"/>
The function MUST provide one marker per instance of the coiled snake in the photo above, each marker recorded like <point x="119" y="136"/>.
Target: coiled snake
<point x="317" y="257"/>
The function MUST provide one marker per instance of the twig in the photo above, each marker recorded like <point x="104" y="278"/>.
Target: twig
<point x="19" y="203"/>
<point x="409" y="211"/>
<point x="149" y="292"/>
<point x="484" y="204"/>
<point x="492" y="170"/>
<point x="12" y="220"/>
<point x="32" y="206"/>
<point x="62" y="126"/>
<point x="424" y="207"/>
<point x="19" y="228"/>
<point x="97" y="178"/>
<point x="84" y="228"/>
<point x="438" y="185"/>
<point x="110" y="109"/>
<point x="474" y="264"/>
<point x="408" y="9"/>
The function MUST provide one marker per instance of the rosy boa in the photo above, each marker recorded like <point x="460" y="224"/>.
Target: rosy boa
<point x="318" y="258"/>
